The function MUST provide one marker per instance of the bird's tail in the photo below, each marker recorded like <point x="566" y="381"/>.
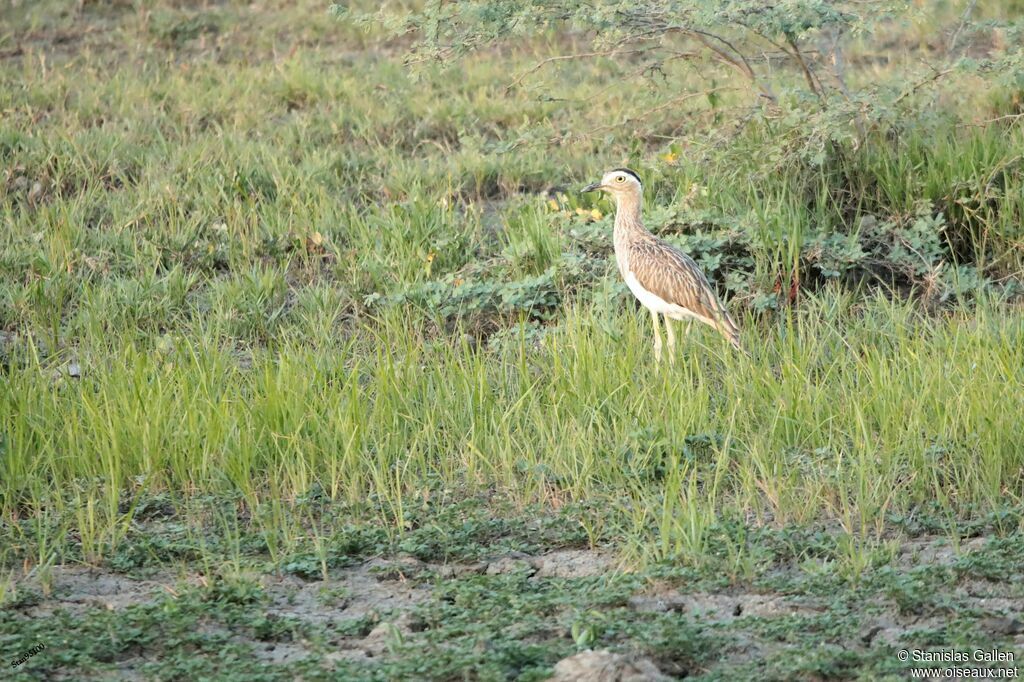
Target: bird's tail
<point x="727" y="328"/>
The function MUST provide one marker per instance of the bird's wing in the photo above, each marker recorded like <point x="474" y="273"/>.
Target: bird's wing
<point x="674" y="277"/>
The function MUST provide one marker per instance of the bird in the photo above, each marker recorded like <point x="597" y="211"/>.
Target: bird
<point x="665" y="280"/>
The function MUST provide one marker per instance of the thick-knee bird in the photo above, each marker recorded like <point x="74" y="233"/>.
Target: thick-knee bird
<point x="665" y="280"/>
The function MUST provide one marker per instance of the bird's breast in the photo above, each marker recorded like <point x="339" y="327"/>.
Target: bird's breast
<point x="621" y="254"/>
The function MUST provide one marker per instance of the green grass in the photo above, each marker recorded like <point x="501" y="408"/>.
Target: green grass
<point x="817" y="429"/>
<point x="271" y="303"/>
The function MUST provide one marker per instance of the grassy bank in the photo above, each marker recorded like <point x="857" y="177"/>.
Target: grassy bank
<point x="847" y="413"/>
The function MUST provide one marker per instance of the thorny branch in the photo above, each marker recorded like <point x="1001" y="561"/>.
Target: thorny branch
<point x="922" y="83"/>
<point x="665" y="105"/>
<point x="567" y="57"/>
<point x="642" y="31"/>
<point x="805" y="67"/>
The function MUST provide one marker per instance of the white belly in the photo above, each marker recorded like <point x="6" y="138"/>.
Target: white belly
<point x="656" y="304"/>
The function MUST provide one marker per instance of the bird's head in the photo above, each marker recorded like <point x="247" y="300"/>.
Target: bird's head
<point x="619" y="182"/>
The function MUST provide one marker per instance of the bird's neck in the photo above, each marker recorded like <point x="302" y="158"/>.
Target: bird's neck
<point x="627" y="214"/>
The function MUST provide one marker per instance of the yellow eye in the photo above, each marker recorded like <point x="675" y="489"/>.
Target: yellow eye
<point x="621" y="178"/>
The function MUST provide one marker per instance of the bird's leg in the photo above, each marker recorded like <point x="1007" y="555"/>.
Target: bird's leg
<point x="671" y="339"/>
<point x="657" y="337"/>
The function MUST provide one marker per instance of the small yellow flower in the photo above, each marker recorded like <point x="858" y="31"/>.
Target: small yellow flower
<point x="552" y="204"/>
<point x="670" y="158"/>
<point x="459" y="282"/>
<point x="581" y="211"/>
<point x="431" y="256"/>
<point x="596" y="215"/>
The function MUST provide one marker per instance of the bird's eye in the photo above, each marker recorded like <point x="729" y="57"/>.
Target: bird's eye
<point x="621" y="178"/>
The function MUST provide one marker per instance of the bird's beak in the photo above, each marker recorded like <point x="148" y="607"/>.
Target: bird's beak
<point x="591" y="187"/>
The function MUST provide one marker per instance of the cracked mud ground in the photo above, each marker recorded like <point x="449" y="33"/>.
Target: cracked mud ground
<point x="566" y="614"/>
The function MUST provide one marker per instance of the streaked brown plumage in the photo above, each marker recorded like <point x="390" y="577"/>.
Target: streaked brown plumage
<point x="672" y="276"/>
<point x="663" y="278"/>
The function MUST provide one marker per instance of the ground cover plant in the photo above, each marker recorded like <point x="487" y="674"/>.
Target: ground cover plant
<point x="313" y="363"/>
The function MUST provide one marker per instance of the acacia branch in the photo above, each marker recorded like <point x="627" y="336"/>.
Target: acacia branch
<point x="741" y="64"/>
<point x="989" y="121"/>
<point x="920" y="84"/>
<point x="567" y="57"/>
<point x="838" y="72"/>
<point x="664" y="105"/>
<point x="963" y="22"/>
<point x="797" y="56"/>
<point x="805" y="67"/>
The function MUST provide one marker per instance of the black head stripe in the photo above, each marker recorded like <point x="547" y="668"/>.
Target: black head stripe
<point x="626" y="170"/>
